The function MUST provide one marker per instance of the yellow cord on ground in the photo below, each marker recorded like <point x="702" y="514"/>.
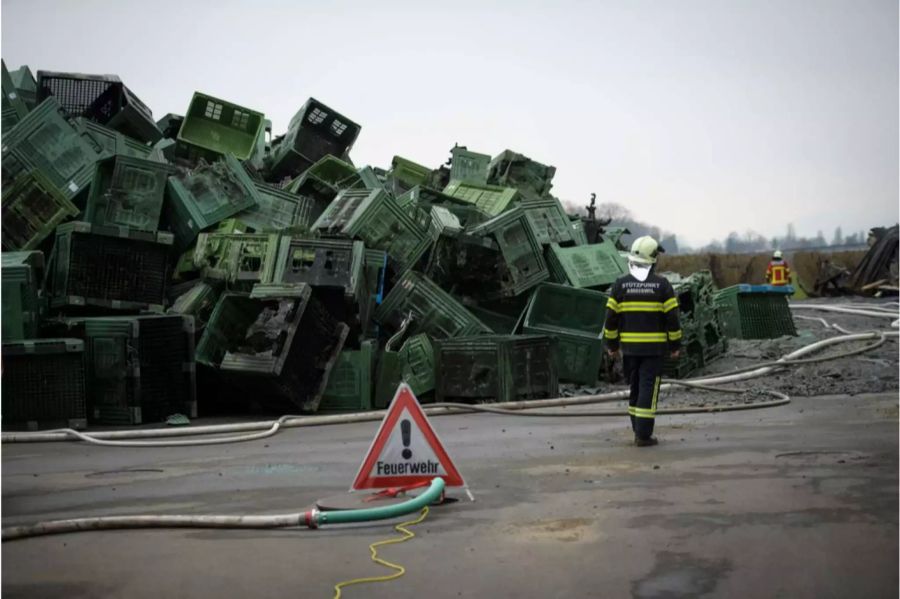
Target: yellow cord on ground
<point x="400" y="570"/>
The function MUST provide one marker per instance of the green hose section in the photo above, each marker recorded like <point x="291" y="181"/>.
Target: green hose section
<point x="430" y="495"/>
<point x="312" y="519"/>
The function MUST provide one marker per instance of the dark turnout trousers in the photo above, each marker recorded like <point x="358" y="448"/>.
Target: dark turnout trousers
<point x="643" y="374"/>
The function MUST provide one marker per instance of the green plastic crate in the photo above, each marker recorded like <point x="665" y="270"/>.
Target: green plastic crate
<point x="43" y="384"/>
<point x="109" y="267"/>
<point x="425" y="199"/>
<point x="434" y="310"/>
<point x="406" y="174"/>
<point x="240" y="260"/>
<point x="14" y="109"/>
<point x="490" y="199"/>
<point x="350" y="383"/>
<point x="576" y="318"/>
<point x="197" y="299"/>
<point x="753" y="312"/>
<point x="412" y="364"/>
<point x="375" y="217"/>
<point x="550" y="222"/>
<point x="128" y="192"/>
<point x="32" y="208"/>
<point x="566" y="309"/>
<point x="47" y="142"/>
<point x="26" y="85"/>
<point x="276" y="210"/>
<point x="531" y="178"/>
<point x="497" y="368"/>
<point x="313" y="133"/>
<point x="587" y="266"/>
<point x="113" y="143"/>
<point x="523" y="264"/>
<point x="201" y="198"/>
<point x="23" y="276"/>
<point x="140" y="368"/>
<point x="214" y="127"/>
<point x="468" y="167"/>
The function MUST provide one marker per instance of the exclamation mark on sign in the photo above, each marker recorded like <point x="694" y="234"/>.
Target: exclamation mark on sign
<point x="405" y="430"/>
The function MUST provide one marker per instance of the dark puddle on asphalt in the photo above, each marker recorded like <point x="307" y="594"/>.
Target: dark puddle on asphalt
<point x="680" y="575"/>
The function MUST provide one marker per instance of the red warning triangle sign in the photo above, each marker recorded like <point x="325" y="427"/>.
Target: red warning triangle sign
<point x="406" y="450"/>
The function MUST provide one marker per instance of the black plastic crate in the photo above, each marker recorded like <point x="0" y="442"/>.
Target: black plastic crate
<point x="109" y="267"/>
<point x="102" y="98"/>
<point x="140" y="368"/>
<point x="43" y="384"/>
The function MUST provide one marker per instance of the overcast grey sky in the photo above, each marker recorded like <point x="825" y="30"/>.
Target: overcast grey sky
<point x="701" y="116"/>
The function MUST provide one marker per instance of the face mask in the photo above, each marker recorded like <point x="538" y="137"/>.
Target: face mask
<point x="639" y="271"/>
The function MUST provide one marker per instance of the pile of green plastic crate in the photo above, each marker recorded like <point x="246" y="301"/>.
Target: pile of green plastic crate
<point x="315" y="282"/>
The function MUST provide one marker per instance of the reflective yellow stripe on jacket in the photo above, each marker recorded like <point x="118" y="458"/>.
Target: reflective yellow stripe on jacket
<point x="643" y="337"/>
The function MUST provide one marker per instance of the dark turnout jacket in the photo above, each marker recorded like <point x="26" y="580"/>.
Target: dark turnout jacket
<point x="642" y="317"/>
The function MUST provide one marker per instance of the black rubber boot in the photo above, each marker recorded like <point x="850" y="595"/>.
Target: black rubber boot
<point x="649" y="441"/>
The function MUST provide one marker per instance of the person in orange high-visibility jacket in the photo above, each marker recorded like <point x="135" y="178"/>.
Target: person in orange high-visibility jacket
<point x="778" y="273"/>
<point x="642" y="321"/>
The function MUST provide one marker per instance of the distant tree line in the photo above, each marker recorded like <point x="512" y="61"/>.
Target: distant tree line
<point x="734" y="243"/>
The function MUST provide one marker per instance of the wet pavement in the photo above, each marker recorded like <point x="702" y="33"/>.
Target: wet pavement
<point x="794" y="501"/>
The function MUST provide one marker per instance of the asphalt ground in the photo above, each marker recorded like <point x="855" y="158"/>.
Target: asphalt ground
<point x="794" y="501"/>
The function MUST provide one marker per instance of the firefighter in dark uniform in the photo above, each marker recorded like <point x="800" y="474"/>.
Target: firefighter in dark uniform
<point x="642" y="320"/>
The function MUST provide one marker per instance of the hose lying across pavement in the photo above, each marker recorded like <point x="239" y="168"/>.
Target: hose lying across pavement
<point x="311" y="519"/>
<point x="262" y="430"/>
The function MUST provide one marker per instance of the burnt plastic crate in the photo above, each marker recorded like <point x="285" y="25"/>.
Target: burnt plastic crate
<point x="755" y="311"/>
<point x="375" y="217"/>
<point x="203" y="197"/>
<point x="43" y="384"/>
<point x="47" y="142"/>
<point x="241" y="260"/>
<point x="128" y="192"/>
<point x="497" y="368"/>
<point x="32" y="208"/>
<point x="109" y="267"/>
<point x="140" y="368"/>
<point x="279" y="341"/>
<point x="23" y="276"/>
<point x="213" y="127"/>
<point x="522" y="266"/>
<point x="350" y="383"/>
<point x="434" y="311"/>
<point x="335" y="268"/>
<point x="102" y="98"/>
<point x="314" y="132"/>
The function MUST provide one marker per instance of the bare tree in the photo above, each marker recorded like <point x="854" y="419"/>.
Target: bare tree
<point x="613" y="211"/>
